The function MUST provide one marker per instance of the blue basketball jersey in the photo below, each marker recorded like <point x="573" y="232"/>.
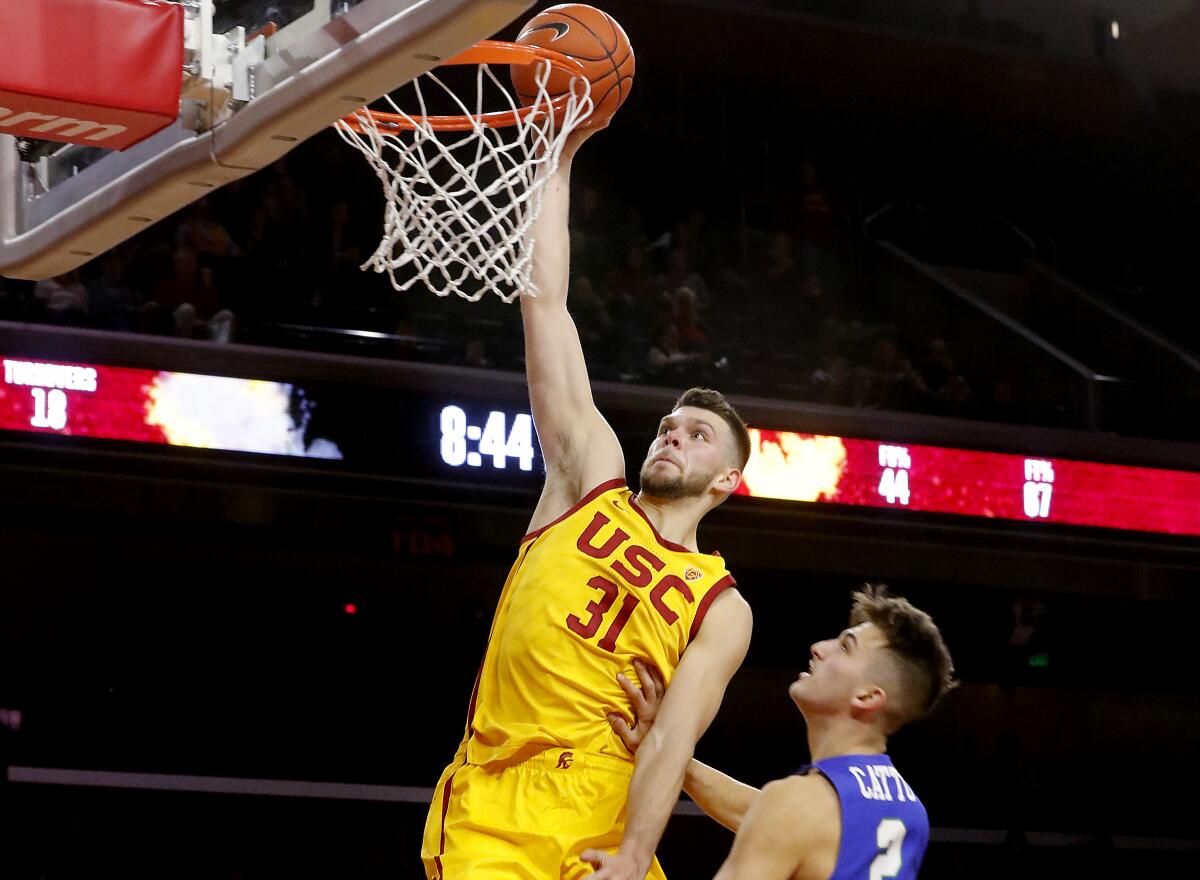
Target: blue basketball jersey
<point x="885" y="828"/>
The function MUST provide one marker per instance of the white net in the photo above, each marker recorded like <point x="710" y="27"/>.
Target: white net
<point x="460" y="205"/>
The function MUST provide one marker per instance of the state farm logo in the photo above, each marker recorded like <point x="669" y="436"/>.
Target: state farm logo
<point x="56" y="127"/>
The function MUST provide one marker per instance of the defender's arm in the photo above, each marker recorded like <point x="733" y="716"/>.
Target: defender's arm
<point x="691" y="702"/>
<point x="721" y="797"/>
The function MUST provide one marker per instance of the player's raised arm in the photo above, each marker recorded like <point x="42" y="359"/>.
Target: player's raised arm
<point x="690" y="704"/>
<point x="580" y="449"/>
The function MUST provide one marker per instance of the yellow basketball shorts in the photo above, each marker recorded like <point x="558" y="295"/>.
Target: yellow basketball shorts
<point x="526" y="821"/>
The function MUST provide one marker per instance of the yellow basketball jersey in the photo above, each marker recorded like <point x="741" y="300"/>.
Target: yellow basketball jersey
<point x="587" y="594"/>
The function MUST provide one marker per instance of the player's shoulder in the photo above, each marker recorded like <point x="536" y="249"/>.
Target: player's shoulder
<point x="731" y="604"/>
<point x="729" y="613"/>
<point x="810" y="807"/>
<point x="711" y="565"/>
<point x="807" y="797"/>
<point x="800" y="815"/>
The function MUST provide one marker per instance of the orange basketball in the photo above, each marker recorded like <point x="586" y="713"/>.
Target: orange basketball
<point x="593" y="38"/>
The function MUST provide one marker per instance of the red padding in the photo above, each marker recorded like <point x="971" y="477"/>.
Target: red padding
<point x="105" y="73"/>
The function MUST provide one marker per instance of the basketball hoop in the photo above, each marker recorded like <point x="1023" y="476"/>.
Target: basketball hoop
<point x="462" y="191"/>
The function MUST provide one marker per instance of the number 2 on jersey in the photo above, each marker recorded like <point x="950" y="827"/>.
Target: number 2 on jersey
<point x="597" y="610"/>
<point x="889" y="837"/>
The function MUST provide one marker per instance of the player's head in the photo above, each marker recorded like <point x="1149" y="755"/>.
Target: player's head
<point x="889" y="667"/>
<point x="701" y="449"/>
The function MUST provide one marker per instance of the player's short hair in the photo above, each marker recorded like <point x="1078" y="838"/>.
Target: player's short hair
<point x="922" y="660"/>
<point x="714" y="401"/>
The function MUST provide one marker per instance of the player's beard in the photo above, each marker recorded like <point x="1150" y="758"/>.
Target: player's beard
<point x="673" y="487"/>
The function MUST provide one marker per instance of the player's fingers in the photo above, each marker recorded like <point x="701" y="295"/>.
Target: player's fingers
<point x="634" y="694"/>
<point x="647" y="677"/>
<point x="648" y="674"/>
<point x="576" y="138"/>
<point x="594" y="857"/>
<point x="642" y="673"/>
<point x="621" y="726"/>
<point x="651" y="690"/>
<point x="660" y="686"/>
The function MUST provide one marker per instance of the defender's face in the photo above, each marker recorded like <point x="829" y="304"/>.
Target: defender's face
<point x="692" y="449"/>
<point x="838" y="671"/>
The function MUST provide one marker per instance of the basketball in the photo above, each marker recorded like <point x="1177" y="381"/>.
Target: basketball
<point x="593" y="38"/>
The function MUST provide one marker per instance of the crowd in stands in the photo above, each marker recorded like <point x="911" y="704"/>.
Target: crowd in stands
<point x="773" y="311"/>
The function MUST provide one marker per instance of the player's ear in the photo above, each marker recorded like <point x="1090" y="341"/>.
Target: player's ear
<point x="728" y="480"/>
<point x="869" y="701"/>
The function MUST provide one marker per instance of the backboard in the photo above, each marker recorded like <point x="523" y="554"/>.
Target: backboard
<point x="259" y="77"/>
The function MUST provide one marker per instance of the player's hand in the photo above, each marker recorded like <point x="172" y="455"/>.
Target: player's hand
<point x="645" y="702"/>
<point x="576" y="139"/>
<point x="614" y="866"/>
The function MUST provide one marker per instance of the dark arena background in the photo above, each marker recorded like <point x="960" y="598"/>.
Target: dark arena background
<point x="942" y="254"/>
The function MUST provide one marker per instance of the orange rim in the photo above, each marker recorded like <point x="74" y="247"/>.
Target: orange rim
<point x="486" y="52"/>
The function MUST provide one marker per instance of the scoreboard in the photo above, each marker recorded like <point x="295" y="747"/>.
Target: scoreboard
<point x="1032" y="488"/>
<point x="479" y="439"/>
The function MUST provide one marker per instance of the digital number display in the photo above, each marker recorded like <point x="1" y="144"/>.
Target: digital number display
<point x="840" y="470"/>
<point x="492" y="444"/>
<point x="152" y="406"/>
